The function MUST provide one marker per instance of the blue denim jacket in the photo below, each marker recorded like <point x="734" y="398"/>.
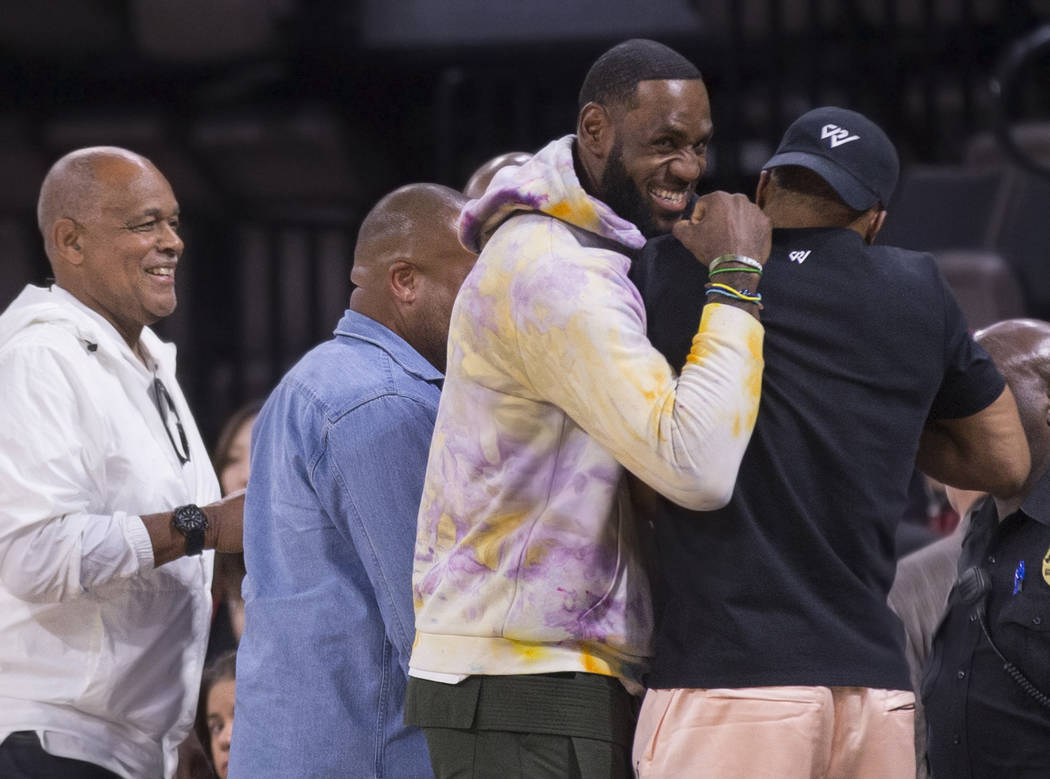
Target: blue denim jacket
<point x="338" y="457"/>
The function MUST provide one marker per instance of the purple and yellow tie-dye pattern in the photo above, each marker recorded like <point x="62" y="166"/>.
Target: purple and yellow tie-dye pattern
<point x="526" y="560"/>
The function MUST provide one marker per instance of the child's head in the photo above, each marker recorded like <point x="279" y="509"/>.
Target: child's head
<point x="232" y="459"/>
<point x="217" y="696"/>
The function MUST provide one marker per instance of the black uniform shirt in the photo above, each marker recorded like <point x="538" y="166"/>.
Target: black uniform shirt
<point x="981" y="723"/>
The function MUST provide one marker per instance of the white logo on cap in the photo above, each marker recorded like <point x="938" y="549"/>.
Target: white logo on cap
<point x="837" y="135"/>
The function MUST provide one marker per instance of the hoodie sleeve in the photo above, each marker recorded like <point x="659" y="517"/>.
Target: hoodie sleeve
<point x="581" y="336"/>
<point x="52" y="547"/>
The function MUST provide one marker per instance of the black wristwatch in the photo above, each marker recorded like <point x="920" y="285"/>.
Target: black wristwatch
<point x="191" y="522"/>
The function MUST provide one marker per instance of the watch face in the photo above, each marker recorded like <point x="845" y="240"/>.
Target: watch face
<point x="189" y="519"/>
<point x="191" y="522"/>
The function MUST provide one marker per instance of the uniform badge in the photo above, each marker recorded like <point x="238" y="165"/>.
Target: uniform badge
<point x="1046" y="567"/>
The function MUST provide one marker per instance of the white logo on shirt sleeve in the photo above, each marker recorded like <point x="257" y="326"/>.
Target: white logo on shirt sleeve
<point x="837" y="135"/>
<point x="799" y="256"/>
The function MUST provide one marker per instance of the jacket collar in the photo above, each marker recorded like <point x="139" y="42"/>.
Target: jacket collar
<point x="363" y="328"/>
<point x="95" y="330"/>
<point x="1037" y="504"/>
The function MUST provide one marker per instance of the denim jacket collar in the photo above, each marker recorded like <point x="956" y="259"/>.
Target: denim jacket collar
<point x="363" y="328"/>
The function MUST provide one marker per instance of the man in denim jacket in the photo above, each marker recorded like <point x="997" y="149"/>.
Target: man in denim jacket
<point x="338" y="458"/>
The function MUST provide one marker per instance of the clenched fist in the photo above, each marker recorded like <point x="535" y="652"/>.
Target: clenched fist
<point x="725" y="224"/>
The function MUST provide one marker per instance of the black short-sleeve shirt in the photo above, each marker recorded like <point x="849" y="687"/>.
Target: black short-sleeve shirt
<point x="787" y="585"/>
<point x="981" y="722"/>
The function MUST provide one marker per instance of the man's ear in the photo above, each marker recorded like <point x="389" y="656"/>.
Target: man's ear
<point x="595" y="131"/>
<point x="403" y="281"/>
<point x="65" y="235"/>
<point x="762" y="190"/>
<point x="878" y="217"/>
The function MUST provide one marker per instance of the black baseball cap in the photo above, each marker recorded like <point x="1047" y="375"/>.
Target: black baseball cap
<point x="847" y="150"/>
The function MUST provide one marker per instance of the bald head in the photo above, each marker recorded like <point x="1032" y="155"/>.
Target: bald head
<point x="110" y="225"/>
<point x="480" y="179"/>
<point x="406" y="225"/>
<point x="73" y="186"/>
<point x="1018" y="346"/>
<point x="1021" y="350"/>
<point x="409" y="264"/>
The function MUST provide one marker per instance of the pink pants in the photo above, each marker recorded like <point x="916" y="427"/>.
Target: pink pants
<point x="776" y="733"/>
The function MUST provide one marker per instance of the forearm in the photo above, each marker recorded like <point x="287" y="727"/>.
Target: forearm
<point x="987" y="451"/>
<point x="67" y="556"/>
<point x="700" y="444"/>
<point x="954" y="463"/>
<point x="589" y="357"/>
<point x="684" y="435"/>
<point x="223" y="532"/>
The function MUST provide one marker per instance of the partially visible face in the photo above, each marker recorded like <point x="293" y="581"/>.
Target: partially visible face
<point x="1021" y="350"/>
<point x="130" y="246"/>
<point x="234" y="474"/>
<point x="659" y="154"/>
<point x="1030" y="383"/>
<point x="219" y="712"/>
<point x="451" y="266"/>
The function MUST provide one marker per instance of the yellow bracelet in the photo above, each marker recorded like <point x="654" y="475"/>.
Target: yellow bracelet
<point x="725" y="289"/>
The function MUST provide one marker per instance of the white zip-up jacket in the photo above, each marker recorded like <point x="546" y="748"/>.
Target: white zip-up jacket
<point x="100" y="652"/>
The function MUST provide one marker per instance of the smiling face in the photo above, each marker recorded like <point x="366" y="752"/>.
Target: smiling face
<point x="129" y="246"/>
<point x="659" y="153"/>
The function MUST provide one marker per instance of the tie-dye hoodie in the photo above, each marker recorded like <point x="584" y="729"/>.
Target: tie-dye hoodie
<point x="526" y="560"/>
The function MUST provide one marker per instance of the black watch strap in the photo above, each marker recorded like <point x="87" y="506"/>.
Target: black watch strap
<point x="191" y="522"/>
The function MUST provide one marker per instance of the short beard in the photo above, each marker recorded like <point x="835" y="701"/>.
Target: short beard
<point x="430" y="337"/>
<point x="622" y="196"/>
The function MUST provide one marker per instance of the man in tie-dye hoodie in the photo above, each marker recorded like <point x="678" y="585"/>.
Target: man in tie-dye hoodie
<point x="533" y="612"/>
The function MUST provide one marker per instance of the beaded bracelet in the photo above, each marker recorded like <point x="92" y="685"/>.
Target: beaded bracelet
<point x="737" y="294"/>
<point x="748" y="261"/>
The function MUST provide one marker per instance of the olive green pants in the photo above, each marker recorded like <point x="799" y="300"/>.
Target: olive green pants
<point x="562" y="726"/>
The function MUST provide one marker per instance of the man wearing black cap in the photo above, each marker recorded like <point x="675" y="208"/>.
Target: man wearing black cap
<point x="776" y="654"/>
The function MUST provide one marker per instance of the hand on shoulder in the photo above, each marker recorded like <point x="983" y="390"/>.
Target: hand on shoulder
<point x="722" y="223"/>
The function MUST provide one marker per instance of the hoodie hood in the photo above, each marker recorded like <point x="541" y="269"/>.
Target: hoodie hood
<point x="36" y="305"/>
<point x="547" y="184"/>
<point x="54" y="306"/>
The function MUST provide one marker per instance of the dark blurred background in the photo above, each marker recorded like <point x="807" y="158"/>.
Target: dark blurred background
<point x="280" y="122"/>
